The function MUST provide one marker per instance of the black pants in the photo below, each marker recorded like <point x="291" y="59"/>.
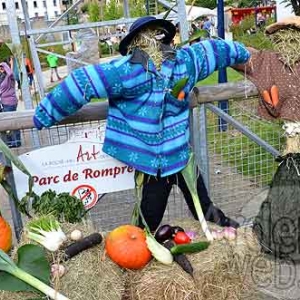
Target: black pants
<point x="155" y="195"/>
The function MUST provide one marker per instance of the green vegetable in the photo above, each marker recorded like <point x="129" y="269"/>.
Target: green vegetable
<point x="9" y="278"/>
<point x="13" y="159"/>
<point x="63" y="206"/>
<point x="180" y="84"/>
<point x="189" y="175"/>
<point x="189" y="248"/>
<point x="46" y="231"/>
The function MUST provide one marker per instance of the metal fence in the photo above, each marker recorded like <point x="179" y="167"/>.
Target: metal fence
<point x="235" y="168"/>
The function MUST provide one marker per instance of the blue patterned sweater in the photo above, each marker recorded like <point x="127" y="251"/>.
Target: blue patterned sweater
<point x="147" y="128"/>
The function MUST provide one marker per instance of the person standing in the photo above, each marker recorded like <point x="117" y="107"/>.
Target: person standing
<point x="207" y="25"/>
<point x="29" y="70"/>
<point x="9" y="102"/>
<point x="52" y="60"/>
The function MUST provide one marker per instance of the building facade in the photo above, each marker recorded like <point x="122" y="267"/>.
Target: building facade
<point x="37" y="9"/>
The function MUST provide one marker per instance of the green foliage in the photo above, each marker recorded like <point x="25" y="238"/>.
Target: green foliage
<point x="72" y="17"/>
<point x="63" y="206"/>
<point x="137" y="8"/>
<point x="5" y="52"/>
<point x="84" y="8"/>
<point x="246" y="3"/>
<point x="256" y="40"/>
<point x="211" y="4"/>
<point x="31" y="259"/>
<point x="113" y="10"/>
<point x="94" y="12"/>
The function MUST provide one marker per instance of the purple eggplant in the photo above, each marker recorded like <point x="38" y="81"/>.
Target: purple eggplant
<point x="163" y="233"/>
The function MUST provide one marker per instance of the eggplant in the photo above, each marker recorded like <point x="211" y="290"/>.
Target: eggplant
<point x="163" y="233"/>
<point x="176" y="229"/>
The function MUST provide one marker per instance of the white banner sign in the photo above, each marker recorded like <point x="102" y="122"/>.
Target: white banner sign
<point x="78" y="166"/>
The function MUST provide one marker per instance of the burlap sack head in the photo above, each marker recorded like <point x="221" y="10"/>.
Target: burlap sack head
<point x="290" y="22"/>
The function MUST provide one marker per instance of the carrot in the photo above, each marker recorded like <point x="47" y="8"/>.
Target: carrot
<point x="181" y="95"/>
<point x="267" y="97"/>
<point x="275" y="95"/>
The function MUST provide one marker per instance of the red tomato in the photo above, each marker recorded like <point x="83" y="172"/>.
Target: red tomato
<point x="181" y="238"/>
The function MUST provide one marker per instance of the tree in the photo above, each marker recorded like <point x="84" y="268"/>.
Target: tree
<point x="113" y="10"/>
<point x="93" y="12"/>
<point x="137" y="8"/>
<point x="211" y="4"/>
<point x="295" y="5"/>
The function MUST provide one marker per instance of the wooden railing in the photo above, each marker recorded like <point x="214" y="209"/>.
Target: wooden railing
<point x="98" y="111"/>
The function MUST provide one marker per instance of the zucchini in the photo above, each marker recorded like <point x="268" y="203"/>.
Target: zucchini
<point x="180" y="84"/>
<point x="189" y="248"/>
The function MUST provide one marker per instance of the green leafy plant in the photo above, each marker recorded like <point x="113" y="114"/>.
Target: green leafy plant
<point x="30" y="273"/>
<point x="62" y="206"/>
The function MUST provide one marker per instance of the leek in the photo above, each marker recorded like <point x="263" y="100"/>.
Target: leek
<point x="158" y="251"/>
<point x="46" y="231"/>
<point x="7" y="265"/>
<point x="188" y="174"/>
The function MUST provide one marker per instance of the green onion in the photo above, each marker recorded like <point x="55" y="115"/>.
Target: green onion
<point x="46" y="231"/>
<point x="7" y="265"/>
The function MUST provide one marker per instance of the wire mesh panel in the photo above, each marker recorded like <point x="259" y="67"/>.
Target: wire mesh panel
<point x="239" y="168"/>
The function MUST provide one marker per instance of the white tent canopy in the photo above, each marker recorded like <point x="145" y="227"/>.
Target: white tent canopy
<point x="193" y="12"/>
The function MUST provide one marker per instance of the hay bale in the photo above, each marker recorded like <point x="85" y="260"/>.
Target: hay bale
<point x="220" y="272"/>
<point x="88" y="276"/>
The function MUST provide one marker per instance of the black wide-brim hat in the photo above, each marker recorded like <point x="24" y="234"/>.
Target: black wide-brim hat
<point x="168" y="28"/>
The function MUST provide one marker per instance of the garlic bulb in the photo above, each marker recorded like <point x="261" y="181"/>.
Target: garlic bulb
<point x="76" y="235"/>
<point x="230" y="233"/>
<point x="58" y="270"/>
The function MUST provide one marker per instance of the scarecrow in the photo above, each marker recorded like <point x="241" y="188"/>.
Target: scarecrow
<point x="148" y="117"/>
<point x="276" y="76"/>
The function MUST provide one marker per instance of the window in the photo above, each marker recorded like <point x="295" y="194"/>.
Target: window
<point x="56" y="13"/>
<point x="54" y="3"/>
<point x="35" y="4"/>
<point x="3" y="5"/>
<point x="36" y="15"/>
<point x="17" y="5"/>
<point x="44" y="4"/>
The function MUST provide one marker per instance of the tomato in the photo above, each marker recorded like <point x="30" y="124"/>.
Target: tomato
<point x="181" y="238"/>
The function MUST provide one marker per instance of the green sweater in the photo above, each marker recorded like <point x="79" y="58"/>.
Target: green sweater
<point x="52" y="60"/>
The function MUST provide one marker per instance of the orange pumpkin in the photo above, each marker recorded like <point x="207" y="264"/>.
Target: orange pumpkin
<point x="126" y="246"/>
<point x="5" y="235"/>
